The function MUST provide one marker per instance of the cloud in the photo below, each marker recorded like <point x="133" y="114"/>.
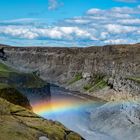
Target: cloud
<point x="117" y="25"/>
<point x="95" y="11"/>
<point x="54" y="4"/>
<point x="116" y="41"/>
<point x="135" y="21"/>
<point x="78" y="21"/>
<point x="56" y="33"/>
<point x="119" y="29"/>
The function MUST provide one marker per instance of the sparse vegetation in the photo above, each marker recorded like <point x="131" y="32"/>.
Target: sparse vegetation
<point x="31" y="80"/>
<point x="100" y="85"/>
<point x="135" y="79"/>
<point x="6" y="71"/>
<point x="3" y="67"/>
<point x="88" y="86"/>
<point x="76" y="78"/>
<point x="96" y="83"/>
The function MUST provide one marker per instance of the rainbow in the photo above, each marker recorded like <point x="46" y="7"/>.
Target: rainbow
<point x="64" y="105"/>
<point x="58" y="106"/>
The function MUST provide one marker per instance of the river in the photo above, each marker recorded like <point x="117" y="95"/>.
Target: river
<point x="72" y="111"/>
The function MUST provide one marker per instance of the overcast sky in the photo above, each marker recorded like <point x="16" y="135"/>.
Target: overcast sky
<point x="69" y="22"/>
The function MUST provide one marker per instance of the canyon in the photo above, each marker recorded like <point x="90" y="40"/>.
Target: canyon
<point x="109" y="73"/>
<point x="113" y="70"/>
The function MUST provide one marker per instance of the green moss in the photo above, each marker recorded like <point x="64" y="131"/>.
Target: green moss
<point x="76" y="78"/>
<point x="135" y="79"/>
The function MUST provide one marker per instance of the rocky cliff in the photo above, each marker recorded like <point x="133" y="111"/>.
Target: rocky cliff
<point x="17" y="121"/>
<point x="110" y="68"/>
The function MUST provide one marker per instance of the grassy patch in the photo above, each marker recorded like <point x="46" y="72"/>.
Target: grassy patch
<point x="88" y="86"/>
<point x="6" y="71"/>
<point x="96" y="83"/>
<point x="5" y="68"/>
<point x="100" y="85"/>
<point x="30" y="80"/>
<point x="76" y="78"/>
<point x="135" y="79"/>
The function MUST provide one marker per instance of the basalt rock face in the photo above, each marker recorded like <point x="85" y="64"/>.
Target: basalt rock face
<point x="120" y="64"/>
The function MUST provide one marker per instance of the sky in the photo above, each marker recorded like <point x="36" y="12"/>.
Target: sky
<point x="69" y="22"/>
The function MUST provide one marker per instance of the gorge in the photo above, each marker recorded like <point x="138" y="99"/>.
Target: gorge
<point x="108" y="78"/>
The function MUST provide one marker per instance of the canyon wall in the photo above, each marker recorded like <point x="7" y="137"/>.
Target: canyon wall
<point x="120" y="64"/>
